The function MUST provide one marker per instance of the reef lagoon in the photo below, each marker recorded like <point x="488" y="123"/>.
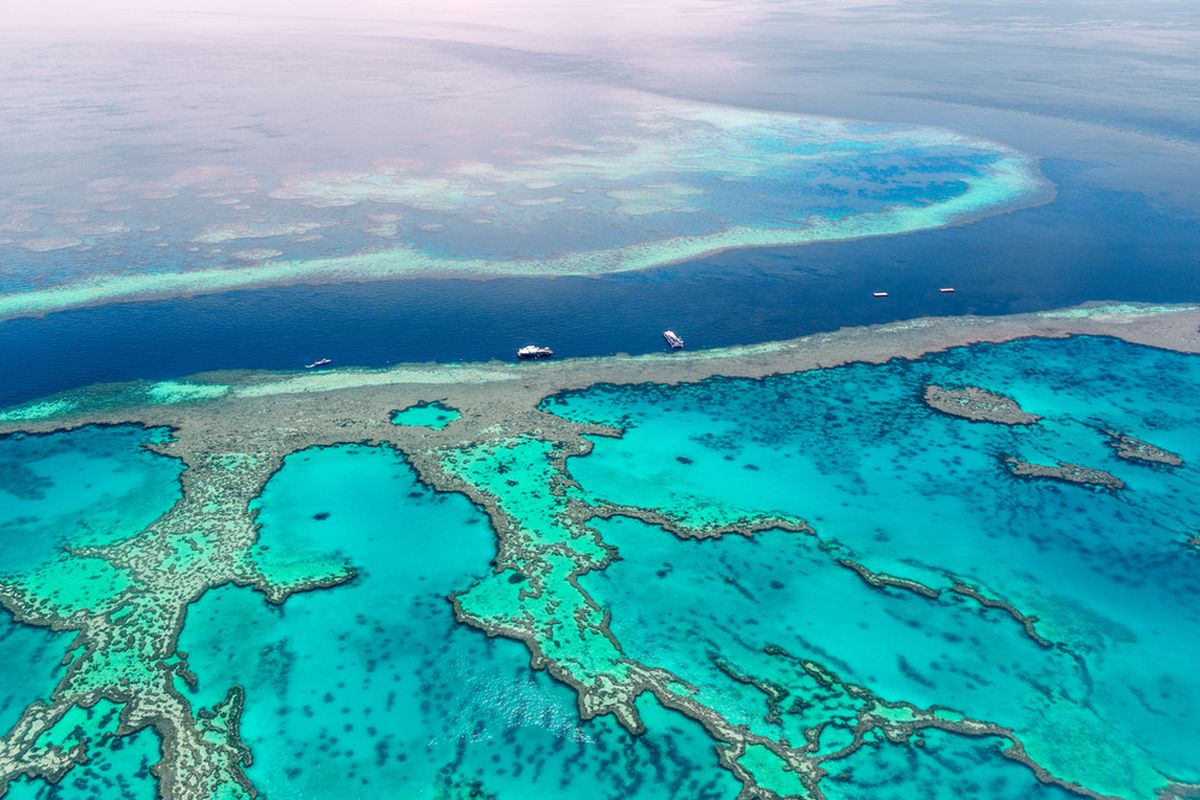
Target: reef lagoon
<point x="937" y="558"/>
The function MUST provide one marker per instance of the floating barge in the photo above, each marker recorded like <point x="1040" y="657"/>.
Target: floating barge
<point x="673" y="340"/>
<point x="320" y="362"/>
<point x="532" y="351"/>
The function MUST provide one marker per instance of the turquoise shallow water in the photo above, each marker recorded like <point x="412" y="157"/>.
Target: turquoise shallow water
<point x="946" y="767"/>
<point x="426" y="415"/>
<point x="92" y="486"/>
<point x="373" y="688"/>
<point x="707" y="609"/>
<point x="34" y="656"/>
<point x="915" y="493"/>
<point x="118" y="767"/>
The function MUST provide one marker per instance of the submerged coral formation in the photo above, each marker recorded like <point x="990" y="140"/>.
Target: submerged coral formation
<point x="727" y="639"/>
<point x="974" y="403"/>
<point x="668" y="180"/>
<point x="1133" y="449"/>
<point x="1067" y="473"/>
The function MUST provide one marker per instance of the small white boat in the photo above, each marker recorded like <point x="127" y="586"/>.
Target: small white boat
<point x="879" y="294"/>
<point x="320" y="362"/>
<point x="533" y="351"/>
<point x="947" y="290"/>
<point x="673" y="340"/>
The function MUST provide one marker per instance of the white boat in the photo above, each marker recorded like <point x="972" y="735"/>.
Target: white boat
<point x="320" y="362"/>
<point x="533" y="351"/>
<point x="673" y="340"/>
<point x="879" y="294"/>
<point x="947" y="290"/>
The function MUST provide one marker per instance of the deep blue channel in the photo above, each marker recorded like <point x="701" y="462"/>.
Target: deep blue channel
<point x="1088" y="244"/>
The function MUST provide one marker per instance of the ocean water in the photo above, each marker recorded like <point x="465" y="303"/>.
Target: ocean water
<point x="543" y="144"/>
<point x="40" y="653"/>
<point x="195" y="160"/>
<point x="117" y="766"/>
<point x="373" y="687"/>
<point x="93" y="486"/>
<point x="944" y="767"/>
<point x="623" y="180"/>
<point x="1112" y="245"/>
<point x="90" y="487"/>
<point x="914" y="493"/>
<point x="426" y="415"/>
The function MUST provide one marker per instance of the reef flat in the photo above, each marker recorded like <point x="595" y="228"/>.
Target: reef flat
<point x="1067" y="473"/>
<point x="971" y="402"/>
<point x="783" y="500"/>
<point x="1133" y="449"/>
<point x="715" y="177"/>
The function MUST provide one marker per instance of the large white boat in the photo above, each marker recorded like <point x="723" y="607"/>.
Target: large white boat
<point x="673" y="339"/>
<point x="533" y="351"/>
<point x="320" y="362"/>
